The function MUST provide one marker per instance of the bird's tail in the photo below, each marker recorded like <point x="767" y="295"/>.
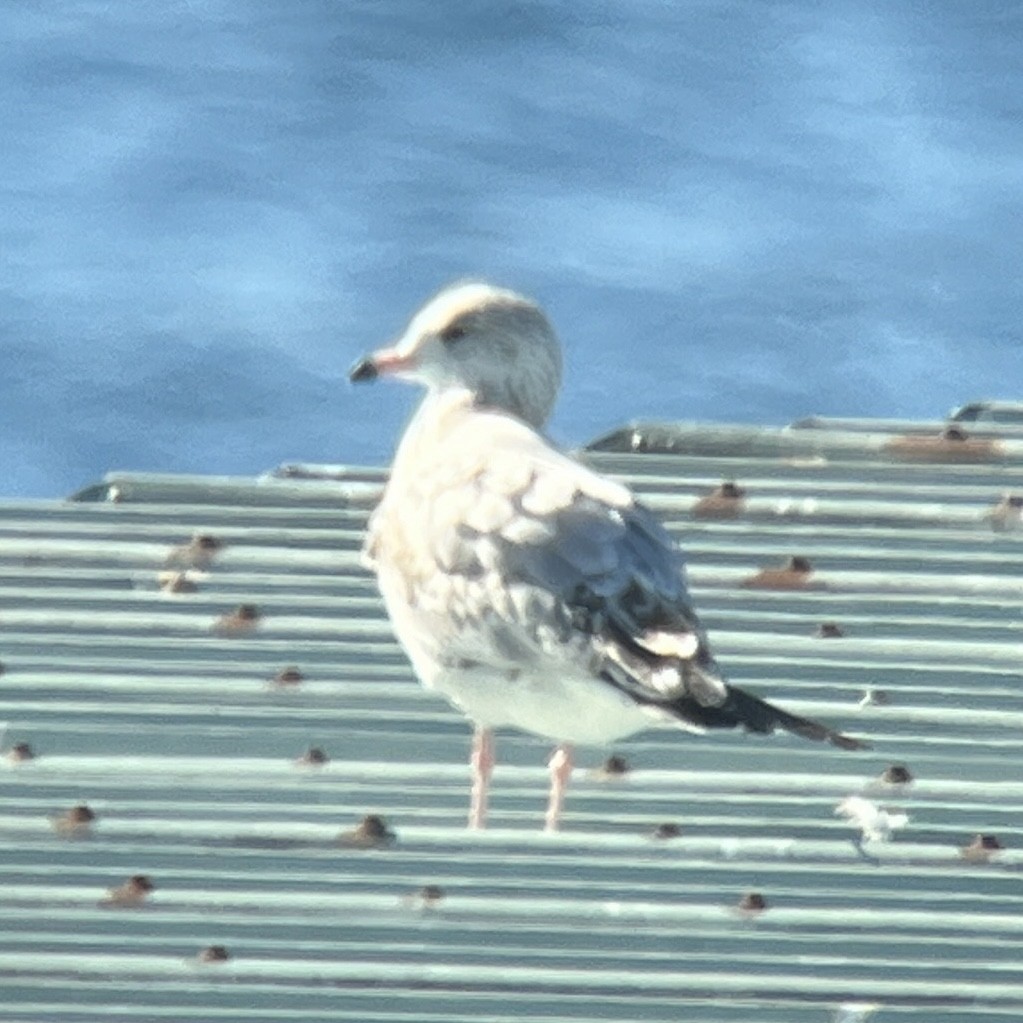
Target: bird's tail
<point x="741" y="709"/>
<point x="672" y="672"/>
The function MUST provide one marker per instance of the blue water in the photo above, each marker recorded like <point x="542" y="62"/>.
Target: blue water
<point x="738" y="210"/>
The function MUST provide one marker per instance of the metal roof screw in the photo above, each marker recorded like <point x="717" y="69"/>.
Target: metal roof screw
<point x="131" y="894"/>
<point x="244" y="618"/>
<point x="615" y="766"/>
<point x="74" y="823"/>
<point x="725" y="501"/>
<point x="372" y="832"/>
<point x="313" y="757"/>
<point x="1008" y="512"/>
<point x="752" y="904"/>
<point x="897" y="774"/>
<point x="829" y="630"/>
<point x="290" y="676"/>
<point x="214" y="954"/>
<point x="431" y="894"/>
<point x="176" y="582"/>
<point x="793" y="575"/>
<point x="198" y="553"/>
<point x="21" y="753"/>
<point x="664" y="832"/>
<point x="981" y="849"/>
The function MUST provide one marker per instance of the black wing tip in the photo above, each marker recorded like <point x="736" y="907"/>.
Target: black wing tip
<point x="743" y="710"/>
<point x="814" y="730"/>
<point x="757" y="715"/>
<point x="848" y="742"/>
<point x="817" y="732"/>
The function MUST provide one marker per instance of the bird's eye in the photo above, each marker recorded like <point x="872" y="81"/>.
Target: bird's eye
<point x="453" y="332"/>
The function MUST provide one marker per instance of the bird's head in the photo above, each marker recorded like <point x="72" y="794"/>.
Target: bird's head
<point x="491" y="342"/>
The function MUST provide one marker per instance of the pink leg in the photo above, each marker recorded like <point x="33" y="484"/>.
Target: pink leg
<point x="561" y="770"/>
<point x="482" y="761"/>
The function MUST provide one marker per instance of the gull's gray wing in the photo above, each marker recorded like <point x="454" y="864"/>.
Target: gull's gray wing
<point x="509" y="552"/>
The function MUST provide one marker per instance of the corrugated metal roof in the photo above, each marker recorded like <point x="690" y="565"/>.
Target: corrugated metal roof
<point x="178" y="740"/>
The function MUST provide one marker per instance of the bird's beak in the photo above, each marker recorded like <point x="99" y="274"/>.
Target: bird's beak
<point x="386" y="362"/>
<point x="363" y="371"/>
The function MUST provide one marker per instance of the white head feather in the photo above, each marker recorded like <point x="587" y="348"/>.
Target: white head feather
<point x="494" y="343"/>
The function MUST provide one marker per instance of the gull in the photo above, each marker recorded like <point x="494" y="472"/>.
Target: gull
<point x="527" y="589"/>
